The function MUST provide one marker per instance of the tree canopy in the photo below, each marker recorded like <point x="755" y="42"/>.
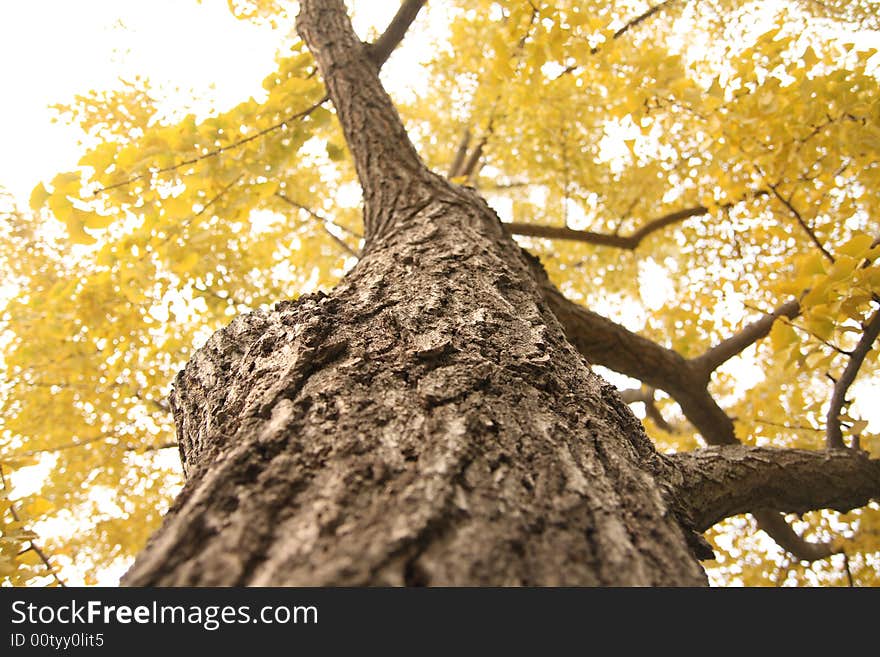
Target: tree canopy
<point x="702" y="176"/>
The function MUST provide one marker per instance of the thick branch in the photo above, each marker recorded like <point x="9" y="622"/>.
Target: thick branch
<point x="472" y="165"/>
<point x="460" y="153"/>
<point x="719" y="482"/>
<point x="603" y="342"/>
<point x="776" y="527"/>
<point x="749" y="335"/>
<point x="380" y="50"/>
<point x="645" y="395"/>
<point x="393" y="177"/>
<point x="834" y="436"/>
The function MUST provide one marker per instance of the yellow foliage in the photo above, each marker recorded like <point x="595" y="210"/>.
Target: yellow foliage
<point x="171" y="225"/>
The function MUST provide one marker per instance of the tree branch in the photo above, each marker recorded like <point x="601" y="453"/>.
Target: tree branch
<point x="380" y="50"/>
<point x="630" y="24"/>
<point x="802" y="223"/>
<point x="460" y="153"/>
<point x="833" y="435"/>
<point x="33" y="546"/>
<point x="709" y="361"/>
<point x="719" y="482"/>
<point x="217" y="151"/>
<point x="466" y="165"/>
<point x="393" y="177"/>
<point x="603" y="342"/>
<point x="324" y="221"/>
<point x="634" y="22"/>
<point x="776" y="527"/>
<point x="629" y="242"/>
<point x="645" y="395"/>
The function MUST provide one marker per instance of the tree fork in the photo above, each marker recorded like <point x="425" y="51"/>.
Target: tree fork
<point x="425" y="423"/>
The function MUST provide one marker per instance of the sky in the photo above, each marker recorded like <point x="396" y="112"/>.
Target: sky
<point x="54" y="49"/>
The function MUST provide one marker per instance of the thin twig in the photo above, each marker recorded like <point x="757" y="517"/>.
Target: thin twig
<point x="324" y="221"/>
<point x="830" y="345"/>
<point x="633" y="22"/>
<point x="782" y="425"/>
<point x="848" y="571"/>
<point x="803" y="224"/>
<point x="834" y="434"/>
<point x="64" y="446"/>
<point x="216" y="151"/>
<point x="33" y="545"/>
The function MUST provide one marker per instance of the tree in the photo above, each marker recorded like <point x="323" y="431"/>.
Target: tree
<point x="433" y="418"/>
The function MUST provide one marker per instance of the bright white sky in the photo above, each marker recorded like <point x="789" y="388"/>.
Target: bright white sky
<point x="53" y="49"/>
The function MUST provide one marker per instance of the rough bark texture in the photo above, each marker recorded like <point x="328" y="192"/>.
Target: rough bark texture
<point x="428" y="422"/>
<point x="719" y="482"/>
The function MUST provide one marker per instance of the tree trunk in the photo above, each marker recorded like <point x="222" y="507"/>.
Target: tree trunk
<point x="427" y="423"/>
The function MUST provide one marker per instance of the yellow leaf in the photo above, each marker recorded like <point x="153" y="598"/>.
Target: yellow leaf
<point x="810" y="58"/>
<point x="66" y="184"/>
<point x="178" y="207"/>
<point x="335" y="152"/>
<point x="186" y="264"/>
<point x="843" y="268"/>
<point x="782" y="335"/>
<point x="813" y="264"/>
<point x="38" y="507"/>
<point x="29" y="558"/>
<point x="821" y="327"/>
<point x="266" y="189"/>
<point x="75" y="220"/>
<point x="39" y="196"/>
<point x="858" y="246"/>
<point x="95" y="220"/>
<point x="858" y="426"/>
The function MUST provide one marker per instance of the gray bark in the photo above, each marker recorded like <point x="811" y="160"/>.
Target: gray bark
<point x="719" y="482"/>
<point x="427" y="422"/>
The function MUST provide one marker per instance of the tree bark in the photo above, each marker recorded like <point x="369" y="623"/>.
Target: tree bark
<point x="427" y="422"/>
<point x="718" y="482"/>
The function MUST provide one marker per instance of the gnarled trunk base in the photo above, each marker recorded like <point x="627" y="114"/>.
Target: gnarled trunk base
<point x="426" y="423"/>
